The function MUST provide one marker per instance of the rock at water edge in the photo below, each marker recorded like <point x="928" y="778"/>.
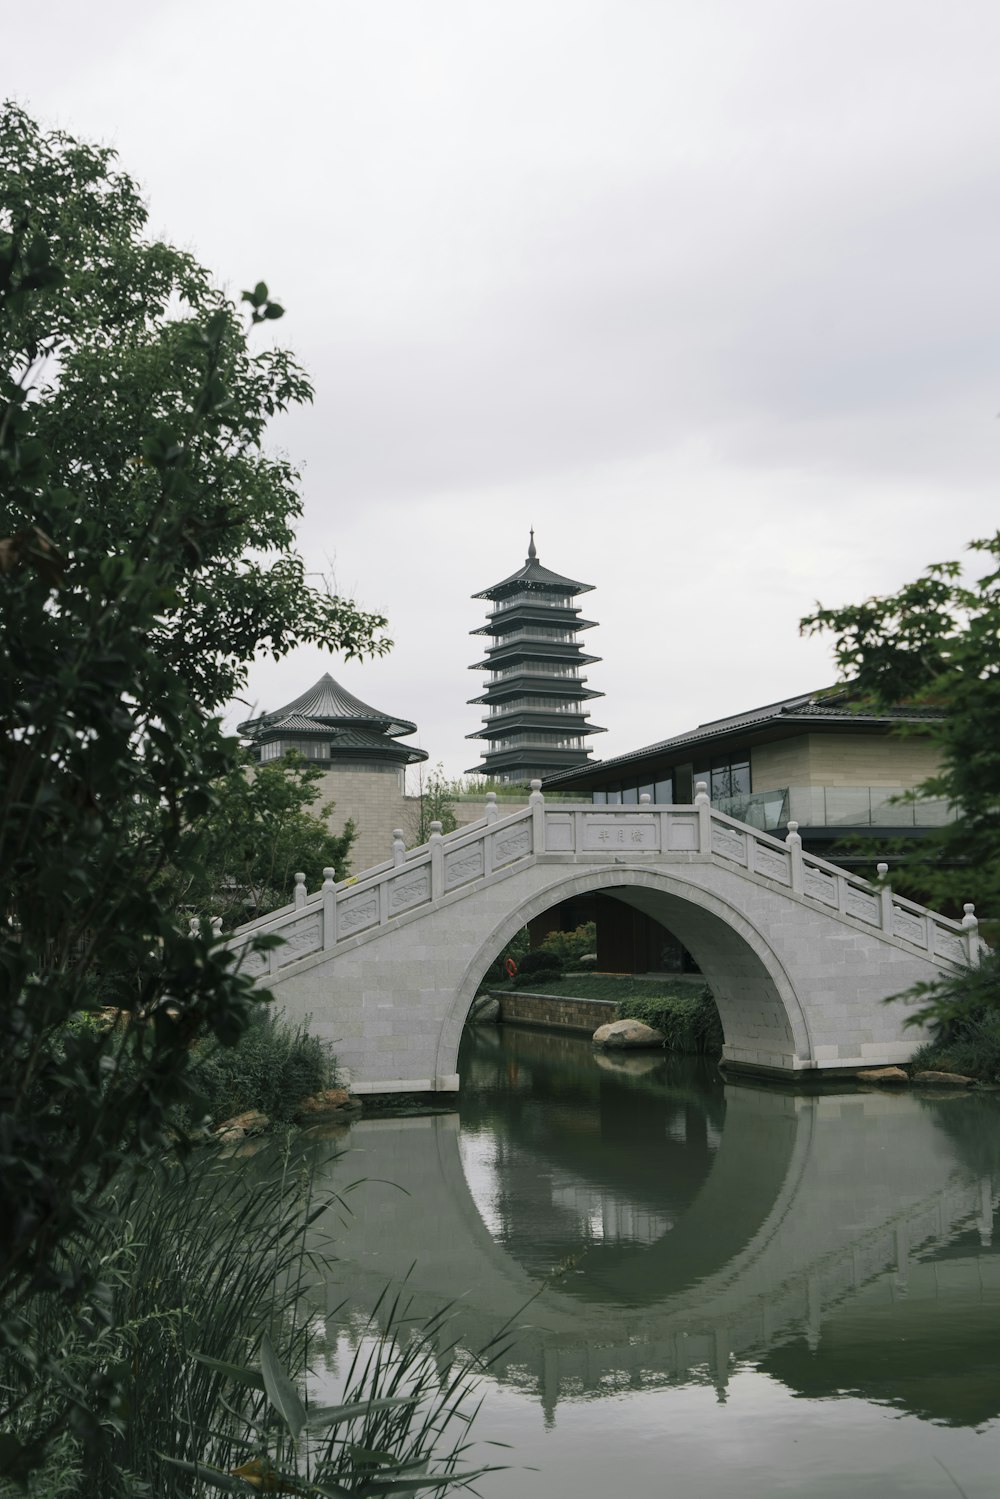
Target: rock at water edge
<point x="627" y="1034"/>
<point x="882" y="1075"/>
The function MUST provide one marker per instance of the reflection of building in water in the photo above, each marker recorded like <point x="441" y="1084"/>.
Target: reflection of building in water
<point x="599" y="1214"/>
<point x="816" y="1236"/>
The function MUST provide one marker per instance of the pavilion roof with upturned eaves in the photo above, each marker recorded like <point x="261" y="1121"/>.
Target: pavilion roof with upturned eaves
<point x="328" y="705"/>
<point x="534" y="575"/>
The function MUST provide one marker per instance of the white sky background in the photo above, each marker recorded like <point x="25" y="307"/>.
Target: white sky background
<point x="704" y="290"/>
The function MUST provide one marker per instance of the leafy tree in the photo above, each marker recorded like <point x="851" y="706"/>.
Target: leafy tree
<point x="263" y="828"/>
<point x="936" y="645"/>
<point x="147" y="555"/>
<point x="435" y="803"/>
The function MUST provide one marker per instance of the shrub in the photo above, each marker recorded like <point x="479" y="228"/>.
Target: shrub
<point x="571" y="946"/>
<point x="538" y="965"/>
<point x="272" y="1068"/>
<point x="970" y="1046"/>
<point x="688" y="1019"/>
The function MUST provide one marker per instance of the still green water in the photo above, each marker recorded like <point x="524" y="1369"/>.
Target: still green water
<point x="718" y="1288"/>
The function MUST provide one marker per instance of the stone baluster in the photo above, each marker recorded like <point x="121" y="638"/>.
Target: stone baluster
<point x="437" y="861"/>
<point x="216" y="927"/>
<point x="491" y="806"/>
<point x="300" y="891"/>
<point x="703" y="802"/>
<point x="329" y="893"/>
<point x="536" y="802"/>
<point x="398" y="847"/>
<point x="793" y="842"/>
<point x="194" y="926"/>
<point x="885" y="897"/>
<point x="970" y="932"/>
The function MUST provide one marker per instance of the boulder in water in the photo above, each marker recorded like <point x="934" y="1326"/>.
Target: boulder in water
<point x="627" y="1035"/>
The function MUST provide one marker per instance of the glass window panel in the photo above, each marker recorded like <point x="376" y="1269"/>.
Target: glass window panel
<point x="600" y="798"/>
<point x="664" y="791"/>
<point x="614" y="795"/>
<point x="630" y="795"/>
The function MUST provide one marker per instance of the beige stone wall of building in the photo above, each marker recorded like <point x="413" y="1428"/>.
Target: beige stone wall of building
<point x="375" y="801"/>
<point x="843" y="760"/>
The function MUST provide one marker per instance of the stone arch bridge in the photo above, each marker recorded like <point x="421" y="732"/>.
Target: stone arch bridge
<point x="799" y="954"/>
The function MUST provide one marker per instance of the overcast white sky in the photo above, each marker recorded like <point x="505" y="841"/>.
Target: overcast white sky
<point x="705" y="290"/>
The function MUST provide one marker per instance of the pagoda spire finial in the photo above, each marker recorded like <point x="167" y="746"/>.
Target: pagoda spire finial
<point x="532" y="554"/>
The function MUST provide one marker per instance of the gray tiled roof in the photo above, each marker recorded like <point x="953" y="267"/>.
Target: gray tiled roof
<point x="810" y="707"/>
<point x="332" y="706"/>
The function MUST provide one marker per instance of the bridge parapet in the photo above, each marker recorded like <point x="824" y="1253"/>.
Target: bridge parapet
<point x="663" y="834"/>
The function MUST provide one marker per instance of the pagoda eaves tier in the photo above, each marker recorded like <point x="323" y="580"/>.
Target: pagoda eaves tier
<point x="330" y="725"/>
<point x="536" y="720"/>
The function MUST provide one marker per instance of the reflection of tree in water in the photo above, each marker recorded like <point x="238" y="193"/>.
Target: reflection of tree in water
<point x="935" y="1356"/>
<point x="972" y="1124"/>
<point x="940" y="1362"/>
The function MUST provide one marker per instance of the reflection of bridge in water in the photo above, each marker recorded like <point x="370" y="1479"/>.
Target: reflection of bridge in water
<point x="752" y="1220"/>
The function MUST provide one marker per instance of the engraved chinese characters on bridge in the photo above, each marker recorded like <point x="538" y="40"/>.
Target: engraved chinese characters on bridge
<point x="618" y="835"/>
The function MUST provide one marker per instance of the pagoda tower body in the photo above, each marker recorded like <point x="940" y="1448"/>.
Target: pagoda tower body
<point x="536" y="694"/>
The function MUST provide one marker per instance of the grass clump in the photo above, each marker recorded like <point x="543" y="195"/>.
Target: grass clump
<point x="272" y="1067"/>
<point x="970" y="1046"/>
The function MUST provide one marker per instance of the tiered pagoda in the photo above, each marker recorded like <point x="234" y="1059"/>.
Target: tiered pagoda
<point x="330" y="725"/>
<point x="536" y="695"/>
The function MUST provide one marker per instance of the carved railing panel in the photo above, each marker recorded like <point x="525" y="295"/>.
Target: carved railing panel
<point x="452" y="864"/>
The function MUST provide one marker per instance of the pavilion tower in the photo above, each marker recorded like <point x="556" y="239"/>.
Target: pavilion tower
<point x="536" y="695"/>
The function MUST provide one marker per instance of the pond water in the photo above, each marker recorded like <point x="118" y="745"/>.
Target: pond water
<point x="718" y="1288"/>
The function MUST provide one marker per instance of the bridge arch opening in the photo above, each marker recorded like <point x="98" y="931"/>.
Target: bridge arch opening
<point x="763" y="1023"/>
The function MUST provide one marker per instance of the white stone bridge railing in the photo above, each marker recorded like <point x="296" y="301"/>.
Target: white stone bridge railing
<point x="453" y="864"/>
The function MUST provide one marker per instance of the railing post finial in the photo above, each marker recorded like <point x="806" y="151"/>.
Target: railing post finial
<point x="300" y="890"/>
<point x="793" y="842"/>
<point x="536" y="792"/>
<point x="398" y="847"/>
<point x="701" y="796"/>
<point x="491" y="806"/>
<point x="974" y="945"/>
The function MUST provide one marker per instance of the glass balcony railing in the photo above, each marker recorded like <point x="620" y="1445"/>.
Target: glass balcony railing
<point x="835" y="807"/>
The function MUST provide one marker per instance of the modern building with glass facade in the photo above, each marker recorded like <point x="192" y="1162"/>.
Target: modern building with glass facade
<point x="536" y="720"/>
<point x="820" y="759"/>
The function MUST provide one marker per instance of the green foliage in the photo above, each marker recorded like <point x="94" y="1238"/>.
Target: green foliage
<point x="936" y="645"/>
<point x="146" y="557"/>
<point x="537" y="965"/>
<point x="435" y="802"/>
<point x="208" y="1332"/>
<point x="262" y="829"/>
<point x="688" y="1018"/>
<point x="570" y="947"/>
<point x="272" y="1067"/>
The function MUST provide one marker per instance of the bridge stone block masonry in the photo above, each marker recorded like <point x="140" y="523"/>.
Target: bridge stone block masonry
<point x="799" y="954"/>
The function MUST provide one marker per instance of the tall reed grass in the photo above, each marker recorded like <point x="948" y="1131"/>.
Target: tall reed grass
<point x="205" y="1266"/>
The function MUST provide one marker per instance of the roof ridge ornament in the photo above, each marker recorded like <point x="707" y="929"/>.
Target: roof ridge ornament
<point x="532" y="553"/>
